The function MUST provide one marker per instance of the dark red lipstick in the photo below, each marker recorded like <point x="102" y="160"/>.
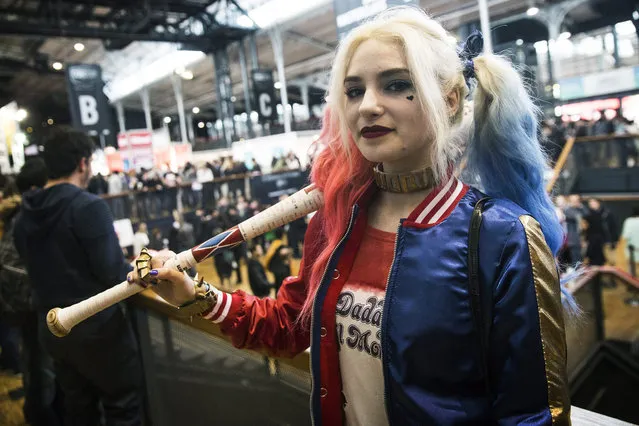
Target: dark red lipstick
<point x="375" y="131"/>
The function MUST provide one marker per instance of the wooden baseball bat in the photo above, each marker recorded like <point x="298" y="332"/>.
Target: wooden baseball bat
<point x="61" y="320"/>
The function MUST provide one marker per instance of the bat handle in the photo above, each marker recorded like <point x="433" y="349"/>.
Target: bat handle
<point x="61" y="320"/>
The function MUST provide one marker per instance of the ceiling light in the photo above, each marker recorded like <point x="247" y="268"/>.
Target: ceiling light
<point x="233" y="99"/>
<point x="78" y="47"/>
<point x="21" y="114"/>
<point x="200" y="124"/>
<point x="196" y="110"/>
<point x="277" y="85"/>
<point x="167" y="120"/>
<point x="57" y="66"/>
<point x="50" y="121"/>
<point x="519" y="42"/>
<point x="532" y="11"/>
<point x="187" y="75"/>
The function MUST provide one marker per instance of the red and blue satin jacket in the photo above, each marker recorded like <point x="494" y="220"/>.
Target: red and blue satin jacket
<point x="431" y="361"/>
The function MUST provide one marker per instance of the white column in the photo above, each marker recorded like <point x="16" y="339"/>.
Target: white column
<point x="122" y="125"/>
<point x="304" y="91"/>
<point x="485" y="26"/>
<point x="189" y="127"/>
<point x="177" y="89"/>
<point x="119" y="108"/>
<point x="278" y="52"/>
<point x="146" y="105"/>
<point x="245" y="88"/>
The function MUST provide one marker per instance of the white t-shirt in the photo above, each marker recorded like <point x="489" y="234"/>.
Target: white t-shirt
<point x="630" y="233"/>
<point x="140" y="240"/>
<point x="358" y="321"/>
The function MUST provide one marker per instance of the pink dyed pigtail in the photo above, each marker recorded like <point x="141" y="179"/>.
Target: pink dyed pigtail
<point x="342" y="174"/>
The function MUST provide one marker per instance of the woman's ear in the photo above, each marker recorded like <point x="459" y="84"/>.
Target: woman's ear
<point x="452" y="100"/>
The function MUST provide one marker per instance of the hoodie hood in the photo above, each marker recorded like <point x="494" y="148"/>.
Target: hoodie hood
<point x="42" y="209"/>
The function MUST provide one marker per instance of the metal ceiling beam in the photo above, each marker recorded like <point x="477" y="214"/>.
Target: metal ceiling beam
<point x="204" y="42"/>
<point x="326" y="47"/>
<point x="166" y="6"/>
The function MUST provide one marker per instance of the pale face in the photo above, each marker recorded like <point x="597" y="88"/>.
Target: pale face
<point x="383" y="114"/>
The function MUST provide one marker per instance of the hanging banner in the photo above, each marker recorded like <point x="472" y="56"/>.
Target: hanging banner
<point x="136" y="149"/>
<point x="609" y="82"/>
<point x="89" y="105"/>
<point x="350" y="13"/>
<point x="264" y="92"/>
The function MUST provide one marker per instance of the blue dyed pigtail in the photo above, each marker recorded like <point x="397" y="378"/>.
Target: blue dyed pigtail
<point x="504" y="154"/>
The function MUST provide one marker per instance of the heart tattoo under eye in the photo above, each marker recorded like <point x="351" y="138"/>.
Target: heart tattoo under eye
<point x="410" y="98"/>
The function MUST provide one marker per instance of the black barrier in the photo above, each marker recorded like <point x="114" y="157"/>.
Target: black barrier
<point x="194" y="378"/>
<point x="268" y="188"/>
<point x="143" y="206"/>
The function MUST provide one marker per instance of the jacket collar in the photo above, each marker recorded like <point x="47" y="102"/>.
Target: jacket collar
<point x="434" y="209"/>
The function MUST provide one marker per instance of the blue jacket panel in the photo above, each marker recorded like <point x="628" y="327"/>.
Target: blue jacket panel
<point x="430" y="350"/>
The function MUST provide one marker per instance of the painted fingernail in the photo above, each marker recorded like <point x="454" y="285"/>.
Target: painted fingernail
<point x="154" y="272"/>
<point x="129" y="278"/>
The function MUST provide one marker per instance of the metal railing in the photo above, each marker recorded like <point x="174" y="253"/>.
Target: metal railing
<point x="155" y="203"/>
<point x="195" y="376"/>
<point x="593" y="153"/>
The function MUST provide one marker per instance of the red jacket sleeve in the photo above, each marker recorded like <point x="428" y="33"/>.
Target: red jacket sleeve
<point x="271" y="324"/>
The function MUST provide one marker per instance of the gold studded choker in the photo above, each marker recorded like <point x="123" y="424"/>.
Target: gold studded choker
<point x="416" y="180"/>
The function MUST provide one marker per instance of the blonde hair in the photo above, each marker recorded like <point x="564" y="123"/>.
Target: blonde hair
<point x="501" y="146"/>
<point x="435" y="69"/>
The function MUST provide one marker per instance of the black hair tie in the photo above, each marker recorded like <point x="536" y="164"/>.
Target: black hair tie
<point x="467" y="51"/>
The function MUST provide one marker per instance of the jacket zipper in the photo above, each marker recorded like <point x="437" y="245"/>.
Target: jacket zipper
<point x="390" y="273"/>
<point x="330" y="259"/>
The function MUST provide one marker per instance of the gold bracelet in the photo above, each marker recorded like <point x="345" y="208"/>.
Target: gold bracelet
<point x="205" y="299"/>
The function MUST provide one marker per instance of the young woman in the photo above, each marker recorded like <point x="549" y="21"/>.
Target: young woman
<point x="382" y="295"/>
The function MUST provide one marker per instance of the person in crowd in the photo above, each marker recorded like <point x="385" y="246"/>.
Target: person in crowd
<point x="16" y="302"/>
<point x="630" y="235"/>
<point x="603" y="126"/>
<point x="9" y="325"/>
<point x="600" y="232"/>
<point x="260" y="285"/>
<point x="255" y="167"/>
<point x="67" y="239"/>
<point x="98" y="185"/>
<point x="574" y="213"/>
<point x="242" y="207"/>
<point x="116" y="188"/>
<point x="383" y="294"/>
<point x="170" y="182"/>
<point x="292" y="161"/>
<point x="279" y="163"/>
<point x="182" y="236"/>
<point x="153" y="192"/>
<point x="553" y="141"/>
<point x="236" y="186"/>
<point x="223" y="264"/>
<point x="205" y="178"/>
<point x="140" y="239"/>
<point x="278" y="259"/>
<point x="233" y="218"/>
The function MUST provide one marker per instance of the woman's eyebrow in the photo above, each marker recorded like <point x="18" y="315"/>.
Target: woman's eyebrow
<point x="383" y="74"/>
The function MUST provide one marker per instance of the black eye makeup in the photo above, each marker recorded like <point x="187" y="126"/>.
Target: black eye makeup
<point x="399" y="86"/>
<point x="353" y="92"/>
